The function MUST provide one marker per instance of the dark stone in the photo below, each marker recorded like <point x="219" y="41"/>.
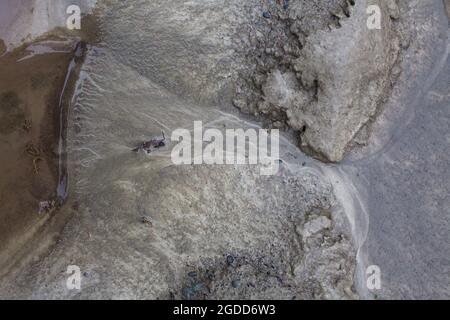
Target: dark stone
<point x="236" y="283"/>
<point x="197" y="287"/>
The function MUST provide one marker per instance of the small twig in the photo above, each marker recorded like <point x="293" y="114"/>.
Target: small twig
<point x="32" y="151"/>
<point x="35" y="161"/>
<point x="27" y="125"/>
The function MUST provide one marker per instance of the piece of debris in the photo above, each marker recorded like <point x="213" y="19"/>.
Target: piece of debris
<point x="36" y="154"/>
<point x="236" y="283"/>
<point x="47" y="207"/>
<point x="146" y="220"/>
<point x="35" y="164"/>
<point x="284" y="3"/>
<point x="27" y="125"/>
<point x="267" y="15"/>
<point x="151" y="145"/>
<point x="32" y="150"/>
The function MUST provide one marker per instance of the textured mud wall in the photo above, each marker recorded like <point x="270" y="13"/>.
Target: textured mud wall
<point x="315" y="67"/>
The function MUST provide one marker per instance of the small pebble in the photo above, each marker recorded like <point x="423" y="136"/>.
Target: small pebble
<point x="230" y="260"/>
<point x="146" y="220"/>
<point x="236" y="283"/>
<point x="192" y="274"/>
<point x="197" y="287"/>
<point x="267" y="15"/>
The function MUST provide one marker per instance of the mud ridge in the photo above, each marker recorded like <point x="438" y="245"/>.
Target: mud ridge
<point x="288" y="86"/>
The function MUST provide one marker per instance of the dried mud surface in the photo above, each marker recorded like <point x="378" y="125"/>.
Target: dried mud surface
<point x="316" y="68"/>
<point x="142" y="228"/>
